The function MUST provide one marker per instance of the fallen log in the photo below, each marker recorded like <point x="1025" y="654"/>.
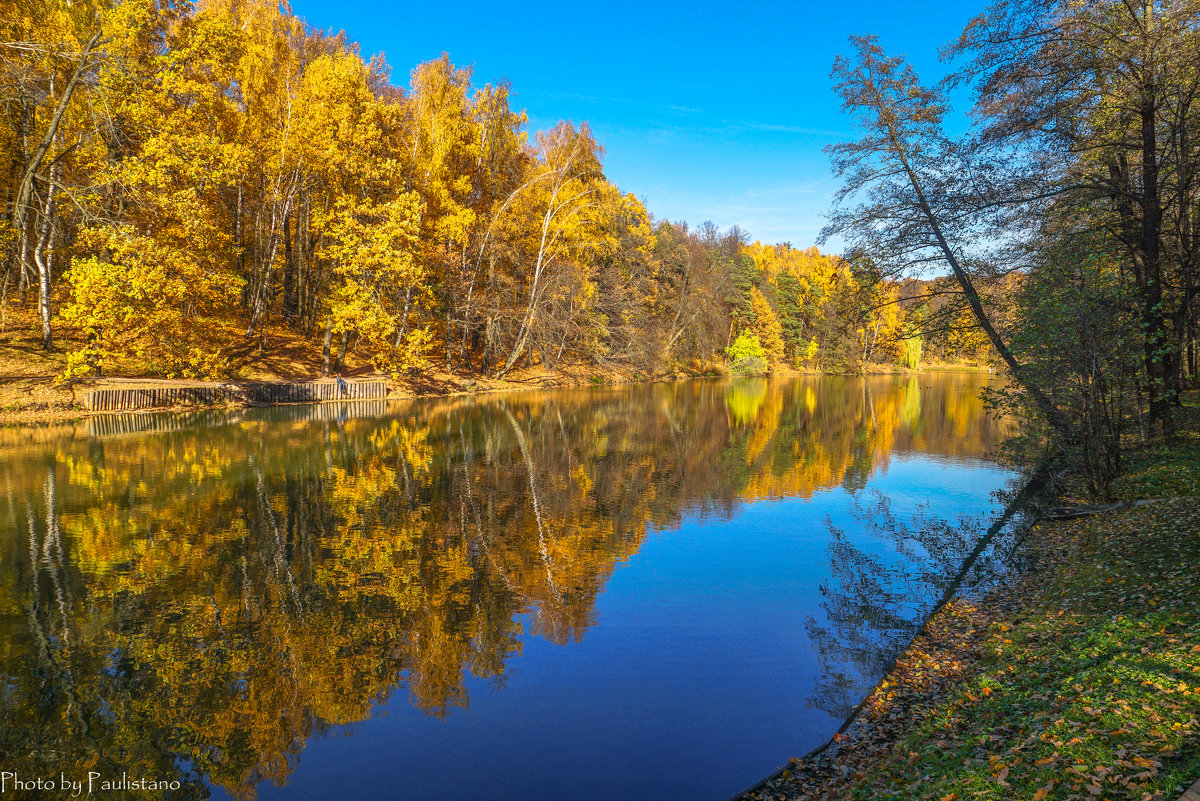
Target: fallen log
<point x="1085" y="510"/>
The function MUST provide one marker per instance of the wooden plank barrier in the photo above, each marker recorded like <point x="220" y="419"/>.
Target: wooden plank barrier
<point x="130" y="399"/>
<point x="119" y="424"/>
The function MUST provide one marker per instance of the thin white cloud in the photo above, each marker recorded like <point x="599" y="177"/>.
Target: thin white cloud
<point x="625" y="101"/>
<point x="777" y="127"/>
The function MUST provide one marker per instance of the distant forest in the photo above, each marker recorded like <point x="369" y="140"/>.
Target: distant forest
<point x="181" y="179"/>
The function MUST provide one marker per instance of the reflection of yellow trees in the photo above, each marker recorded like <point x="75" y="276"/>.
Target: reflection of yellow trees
<point x="745" y="397"/>
<point x="791" y="439"/>
<point x="221" y="594"/>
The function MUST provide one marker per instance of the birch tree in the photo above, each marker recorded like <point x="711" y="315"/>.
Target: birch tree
<point x="569" y="160"/>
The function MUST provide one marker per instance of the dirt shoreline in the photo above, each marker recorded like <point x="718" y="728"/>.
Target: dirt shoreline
<point x="32" y="400"/>
<point x="39" y="399"/>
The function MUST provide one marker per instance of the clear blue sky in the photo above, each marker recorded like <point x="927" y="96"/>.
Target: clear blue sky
<point x="707" y="111"/>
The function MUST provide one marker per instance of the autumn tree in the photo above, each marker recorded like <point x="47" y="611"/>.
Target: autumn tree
<point x="1098" y="101"/>
<point x="375" y="256"/>
<point x="918" y="209"/>
<point x="152" y="269"/>
<point x="766" y="326"/>
<point x="52" y="51"/>
<point x="558" y="207"/>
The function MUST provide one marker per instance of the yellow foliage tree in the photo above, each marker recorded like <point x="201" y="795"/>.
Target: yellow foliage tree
<point x="150" y="301"/>
<point x="881" y="321"/>
<point x="767" y="326"/>
<point x="150" y="281"/>
<point x="967" y="339"/>
<point x="374" y="249"/>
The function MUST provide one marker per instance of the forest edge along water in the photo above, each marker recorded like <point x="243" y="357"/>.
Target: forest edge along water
<point x="626" y="577"/>
<point x="1077" y="677"/>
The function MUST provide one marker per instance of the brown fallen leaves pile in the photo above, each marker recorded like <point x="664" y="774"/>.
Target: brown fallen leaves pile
<point x="1080" y="680"/>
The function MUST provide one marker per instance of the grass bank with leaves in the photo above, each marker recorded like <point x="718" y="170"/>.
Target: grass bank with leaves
<point x="1080" y="680"/>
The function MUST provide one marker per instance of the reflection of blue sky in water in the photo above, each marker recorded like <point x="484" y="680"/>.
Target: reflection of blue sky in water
<point x="697" y="677"/>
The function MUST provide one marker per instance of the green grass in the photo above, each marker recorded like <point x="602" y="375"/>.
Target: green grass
<point x="1092" y="689"/>
<point x="1093" y="693"/>
<point x="1166" y="471"/>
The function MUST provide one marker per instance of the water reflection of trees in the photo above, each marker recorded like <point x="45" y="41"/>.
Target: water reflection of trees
<point x="206" y="599"/>
<point x="873" y="606"/>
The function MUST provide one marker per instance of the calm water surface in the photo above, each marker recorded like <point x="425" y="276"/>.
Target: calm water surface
<point x="622" y="593"/>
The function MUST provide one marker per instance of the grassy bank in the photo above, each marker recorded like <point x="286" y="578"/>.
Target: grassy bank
<point x="1081" y="680"/>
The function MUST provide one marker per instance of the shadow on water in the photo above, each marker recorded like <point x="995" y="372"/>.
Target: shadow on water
<point x="197" y="596"/>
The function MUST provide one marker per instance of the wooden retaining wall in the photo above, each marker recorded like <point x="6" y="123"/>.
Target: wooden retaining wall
<point x="150" y="397"/>
<point x="119" y="424"/>
<point x="318" y="391"/>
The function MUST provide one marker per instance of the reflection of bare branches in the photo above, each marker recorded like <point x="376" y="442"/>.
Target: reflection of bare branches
<point x="53" y="649"/>
<point x="52" y="554"/>
<point x="485" y="540"/>
<point x="871" y="614"/>
<point x="874" y="609"/>
<point x="874" y="606"/>
<point x="553" y="618"/>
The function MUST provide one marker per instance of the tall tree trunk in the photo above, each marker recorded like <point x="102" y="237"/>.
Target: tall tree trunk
<point x="403" y="329"/>
<point x="530" y="310"/>
<point x="289" y="274"/>
<point x="26" y="262"/>
<point x="341" y="357"/>
<point x="43" y="255"/>
<point x="1190" y="329"/>
<point x="1155" y="347"/>
<point x="281" y="209"/>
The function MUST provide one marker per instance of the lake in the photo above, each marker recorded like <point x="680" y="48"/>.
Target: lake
<point x="659" y="591"/>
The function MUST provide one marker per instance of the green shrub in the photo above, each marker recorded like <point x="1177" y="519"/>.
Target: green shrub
<point x="746" y="355"/>
<point x="910" y="355"/>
